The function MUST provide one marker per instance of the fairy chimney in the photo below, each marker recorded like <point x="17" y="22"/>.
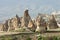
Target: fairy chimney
<point x="15" y="22"/>
<point x="41" y="24"/>
<point x="52" y="22"/>
<point x="25" y="19"/>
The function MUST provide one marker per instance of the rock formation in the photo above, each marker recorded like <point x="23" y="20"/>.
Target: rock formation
<point x="25" y="19"/>
<point x="1" y="27"/>
<point x="31" y="25"/>
<point x="10" y="26"/>
<point x="5" y="28"/>
<point x="52" y="22"/>
<point x="15" y="22"/>
<point x="41" y="24"/>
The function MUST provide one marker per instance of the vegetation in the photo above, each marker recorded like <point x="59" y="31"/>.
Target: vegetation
<point x="48" y="38"/>
<point x="19" y="30"/>
<point x="27" y="37"/>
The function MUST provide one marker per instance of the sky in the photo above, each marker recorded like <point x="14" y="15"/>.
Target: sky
<point x="9" y="8"/>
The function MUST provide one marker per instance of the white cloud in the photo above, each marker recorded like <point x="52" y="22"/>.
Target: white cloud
<point x="56" y="13"/>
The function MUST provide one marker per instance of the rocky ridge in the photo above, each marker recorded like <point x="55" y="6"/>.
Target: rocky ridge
<point x="39" y="24"/>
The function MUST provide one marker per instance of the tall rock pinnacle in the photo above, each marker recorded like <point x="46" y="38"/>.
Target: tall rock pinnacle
<point x="25" y="19"/>
<point x="26" y="13"/>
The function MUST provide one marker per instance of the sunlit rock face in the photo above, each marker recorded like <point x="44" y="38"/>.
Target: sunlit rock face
<point x="1" y="27"/>
<point x="52" y="22"/>
<point x="31" y="25"/>
<point x="34" y="22"/>
<point x="25" y="19"/>
<point x="15" y="22"/>
<point x="38" y="24"/>
<point x="10" y="26"/>
<point x="41" y="24"/>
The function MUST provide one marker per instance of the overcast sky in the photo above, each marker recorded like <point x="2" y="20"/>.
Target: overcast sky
<point x="9" y="8"/>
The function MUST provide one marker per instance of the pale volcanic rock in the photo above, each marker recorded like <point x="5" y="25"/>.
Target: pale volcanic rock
<point x="31" y="25"/>
<point x="1" y="27"/>
<point x="10" y="26"/>
<point x="52" y="22"/>
<point x="5" y="28"/>
<point x="22" y="22"/>
<point x="15" y="22"/>
<point x="38" y="25"/>
<point x="41" y="24"/>
<point x="34" y="21"/>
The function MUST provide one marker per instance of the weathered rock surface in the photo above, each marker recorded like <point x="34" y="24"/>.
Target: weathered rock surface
<point x="5" y="28"/>
<point x="52" y="22"/>
<point x="1" y="27"/>
<point x="41" y="24"/>
<point x="10" y="26"/>
<point x="14" y="23"/>
<point x="31" y="25"/>
<point x="25" y="19"/>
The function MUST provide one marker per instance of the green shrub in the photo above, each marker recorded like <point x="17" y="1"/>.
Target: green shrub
<point x="40" y="38"/>
<point x="28" y="39"/>
<point x="55" y="38"/>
